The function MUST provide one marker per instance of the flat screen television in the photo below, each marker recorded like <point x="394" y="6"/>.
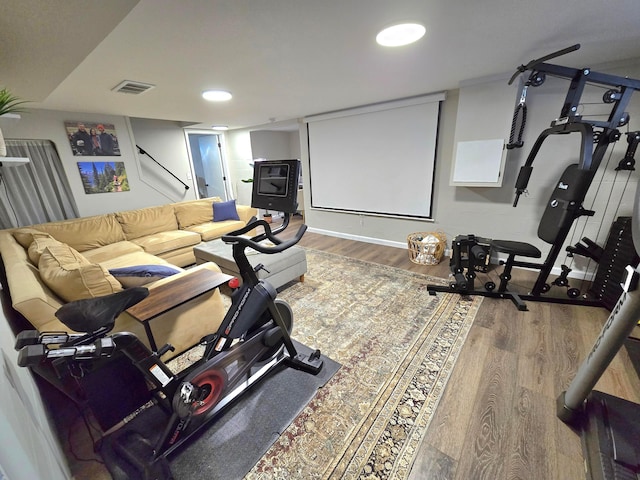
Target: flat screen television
<point x="275" y="185"/>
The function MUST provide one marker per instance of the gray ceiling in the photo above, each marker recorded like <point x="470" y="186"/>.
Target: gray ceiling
<point x="284" y="59"/>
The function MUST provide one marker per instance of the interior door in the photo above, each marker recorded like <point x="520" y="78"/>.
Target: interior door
<point x="205" y="150"/>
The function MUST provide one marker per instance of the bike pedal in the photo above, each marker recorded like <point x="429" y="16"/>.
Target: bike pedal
<point x="307" y="363"/>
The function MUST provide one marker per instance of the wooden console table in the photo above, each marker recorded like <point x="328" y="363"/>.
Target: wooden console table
<point x="165" y="297"/>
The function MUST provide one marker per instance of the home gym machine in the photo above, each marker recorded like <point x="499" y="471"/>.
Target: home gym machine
<point x="609" y="426"/>
<point x="252" y="340"/>
<point x="470" y="253"/>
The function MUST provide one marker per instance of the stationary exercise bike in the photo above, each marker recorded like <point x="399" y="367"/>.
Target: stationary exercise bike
<point x="253" y="338"/>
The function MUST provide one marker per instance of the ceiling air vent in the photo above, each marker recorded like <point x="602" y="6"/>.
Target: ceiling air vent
<point x="133" y="88"/>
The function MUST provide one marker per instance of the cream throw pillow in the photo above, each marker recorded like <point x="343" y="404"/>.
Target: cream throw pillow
<point x="73" y="277"/>
<point x="24" y="236"/>
<point x="40" y="242"/>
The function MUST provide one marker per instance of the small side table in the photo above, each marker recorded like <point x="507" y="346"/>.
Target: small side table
<point x="165" y="297"/>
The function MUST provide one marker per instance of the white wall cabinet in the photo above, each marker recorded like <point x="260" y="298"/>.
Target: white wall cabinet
<point x="478" y="163"/>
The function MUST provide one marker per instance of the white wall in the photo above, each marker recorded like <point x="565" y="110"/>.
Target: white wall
<point x="28" y="447"/>
<point x="272" y="145"/>
<point x="242" y="146"/>
<point x="165" y="141"/>
<point x="150" y="185"/>
<point x="474" y="121"/>
<point x="237" y="149"/>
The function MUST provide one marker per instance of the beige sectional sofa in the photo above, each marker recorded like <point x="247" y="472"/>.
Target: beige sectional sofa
<point x="49" y="264"/>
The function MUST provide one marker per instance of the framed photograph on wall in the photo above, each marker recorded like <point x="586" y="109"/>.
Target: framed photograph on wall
<point x="103" y="177"/>
<point x="92" y="138"/>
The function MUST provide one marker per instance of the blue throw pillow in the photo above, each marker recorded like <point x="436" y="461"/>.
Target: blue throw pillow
<point x="225" y="211"/>
<point x="139" y="275"/>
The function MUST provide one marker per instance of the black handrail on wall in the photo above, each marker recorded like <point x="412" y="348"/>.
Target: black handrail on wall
<point x="144" y="152"/>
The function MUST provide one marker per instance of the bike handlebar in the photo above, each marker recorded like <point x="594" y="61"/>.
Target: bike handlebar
<point x="280" y="245"/>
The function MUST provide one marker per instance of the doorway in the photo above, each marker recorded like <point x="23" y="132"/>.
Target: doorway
<point x="209" y="167"/>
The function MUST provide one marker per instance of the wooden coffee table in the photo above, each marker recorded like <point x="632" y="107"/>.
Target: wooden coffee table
<point x="167" y="296"/>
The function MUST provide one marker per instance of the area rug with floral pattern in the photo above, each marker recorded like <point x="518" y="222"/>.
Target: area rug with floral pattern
<point x="397" y="345"/>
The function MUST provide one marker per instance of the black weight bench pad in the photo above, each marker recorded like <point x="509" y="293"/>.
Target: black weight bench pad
<point x="516" y="248"/>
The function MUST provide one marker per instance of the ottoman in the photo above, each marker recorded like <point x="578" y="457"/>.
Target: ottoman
<point x="283" y="267"/>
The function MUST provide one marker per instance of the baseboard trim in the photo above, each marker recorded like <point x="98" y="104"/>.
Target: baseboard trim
<point x="576" y="274"/>
<point x="359" y="238"/>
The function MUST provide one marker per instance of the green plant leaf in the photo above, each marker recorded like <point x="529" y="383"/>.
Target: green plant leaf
<point x="9" y="103"/>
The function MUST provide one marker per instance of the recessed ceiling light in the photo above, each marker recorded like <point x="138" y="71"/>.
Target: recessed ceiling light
<point x="220" y="128"/>
<point x="401" y="34"/>
<point x="216" y="95"/>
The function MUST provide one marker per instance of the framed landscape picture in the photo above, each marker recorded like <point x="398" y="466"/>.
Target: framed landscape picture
<point x="103" y="177"/>
<point x="92" y="139"/>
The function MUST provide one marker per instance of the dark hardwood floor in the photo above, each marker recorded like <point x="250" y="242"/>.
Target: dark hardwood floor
<point x="497" y="418"/>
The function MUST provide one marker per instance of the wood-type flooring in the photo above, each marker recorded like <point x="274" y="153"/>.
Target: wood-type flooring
<point x="497" y="418"/>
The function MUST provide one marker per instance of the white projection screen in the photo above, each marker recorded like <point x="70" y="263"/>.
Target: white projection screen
<point x="377" y="159"/>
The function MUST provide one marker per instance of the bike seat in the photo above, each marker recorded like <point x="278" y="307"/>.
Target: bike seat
<point x="91" y="314"/>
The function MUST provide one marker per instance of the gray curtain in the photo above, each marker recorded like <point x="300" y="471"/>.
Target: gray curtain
<point x="37" y="192"/>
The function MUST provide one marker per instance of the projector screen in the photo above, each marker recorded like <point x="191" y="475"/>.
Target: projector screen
<point x="377" y="159"/>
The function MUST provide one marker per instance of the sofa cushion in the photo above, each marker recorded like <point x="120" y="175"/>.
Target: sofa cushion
<point x="85" y="233"/>
<point x="195" y="211"/>
<point x="25" y="236"/>
<point x="147" y="221"/>
<point x="40" y="242"/>
<point x="182" y="257"/>
<point x="167" y="241"/>
<point x="139" y="275"/>
<point x="131" y="259"/>
<point x="225" y="211"/>
<point x="212" y="230"/>
<point x="118" y="249"/>
<point x="73" y="277"/>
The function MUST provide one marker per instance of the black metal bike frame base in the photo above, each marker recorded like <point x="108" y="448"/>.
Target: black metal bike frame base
<point x="140" y="435"/>
<point x="517" y="299"/>
<point x="609" y="432"/>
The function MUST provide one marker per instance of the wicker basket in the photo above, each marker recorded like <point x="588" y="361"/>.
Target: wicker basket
<point x="426" y="248"/>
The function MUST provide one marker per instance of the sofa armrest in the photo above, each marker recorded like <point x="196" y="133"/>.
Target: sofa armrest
<point x="245" y="212"/>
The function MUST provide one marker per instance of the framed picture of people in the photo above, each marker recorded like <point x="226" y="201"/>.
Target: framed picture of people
<point x="92" y="138"/>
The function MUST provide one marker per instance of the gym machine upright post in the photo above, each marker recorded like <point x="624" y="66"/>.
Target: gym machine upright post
<point x="565" y="204"/>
